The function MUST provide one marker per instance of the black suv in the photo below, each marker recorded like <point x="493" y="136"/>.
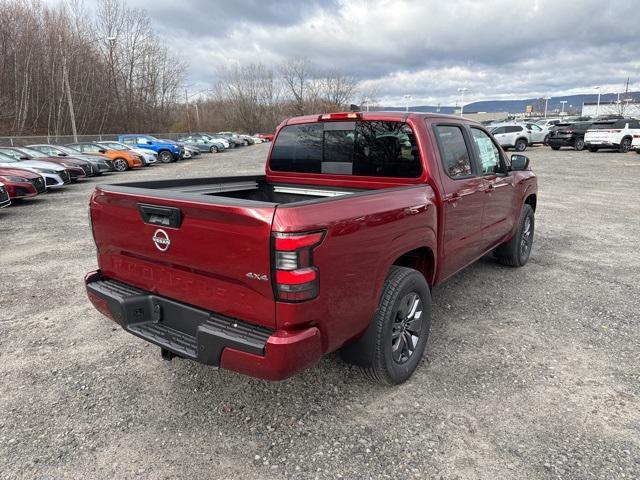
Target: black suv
<point x="568" y="135"/>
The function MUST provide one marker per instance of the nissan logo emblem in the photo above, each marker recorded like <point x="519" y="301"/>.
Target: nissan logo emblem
<point x="161" y="240"/>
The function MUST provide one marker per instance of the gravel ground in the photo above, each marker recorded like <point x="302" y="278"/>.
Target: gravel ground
<point x="529" y="373"/>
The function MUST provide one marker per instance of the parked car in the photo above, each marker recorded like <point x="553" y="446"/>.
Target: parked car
<point x="189" y="150"/>
<point x="216" y="139"/>
<point x="238" y="139"/>
<point x="233" y="140"/>
<point x="612" y="134"/>
<point x="148" y="156"/>
<point x="636" y="143"/>
<point x="548" y="122"/>
<point x="266" y="136"/>
<point x="5" y="200"/>
<point x="568" y="135"/>
<point x="123" y="160"/>
<point x="538" y="134"/>
<point x="77" y="168"/>
<point x="167" y="152"/>
<point x="512" y="136"/>
<point x="55" y="175"/>
<point x="202" y="144"/>
<point x="21" y="184"/>
<point x="100" y="163"/>
<point x="336" y="248"/>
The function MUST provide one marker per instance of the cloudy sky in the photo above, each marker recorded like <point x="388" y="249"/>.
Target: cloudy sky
<point x="427" y="49"/>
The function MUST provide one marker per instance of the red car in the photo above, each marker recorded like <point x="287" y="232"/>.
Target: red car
<point x="266" y="136"/>
<point x="22" y="183"/>
<point x="337" y="247"/>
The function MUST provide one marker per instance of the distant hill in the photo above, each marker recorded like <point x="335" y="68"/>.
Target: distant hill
<point x="519" y="106"/>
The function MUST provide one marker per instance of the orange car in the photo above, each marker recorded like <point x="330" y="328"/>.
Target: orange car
<point x="122" y="159"/>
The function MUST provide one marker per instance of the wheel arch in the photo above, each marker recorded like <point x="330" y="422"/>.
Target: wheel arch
<point x="532" y="200"/>
<point x="421" y="259"/>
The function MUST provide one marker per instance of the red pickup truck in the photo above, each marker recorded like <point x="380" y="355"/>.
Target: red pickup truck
<point x="337" y="247"/>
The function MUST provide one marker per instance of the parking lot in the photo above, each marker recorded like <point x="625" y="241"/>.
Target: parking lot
<point x="530" y="373"/>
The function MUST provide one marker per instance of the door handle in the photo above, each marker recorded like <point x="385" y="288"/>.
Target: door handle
<point x="452" y="197"/>
<point x="490" y="188"/>
<point x="161" y="216"/>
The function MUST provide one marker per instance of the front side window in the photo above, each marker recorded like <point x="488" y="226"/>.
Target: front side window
<point x="488" y="152"/>
<point x="363" y="148"/>
<point x="453" y="151"/>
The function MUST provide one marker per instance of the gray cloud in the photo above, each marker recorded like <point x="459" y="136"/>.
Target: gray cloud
<point x="497" y="49"/>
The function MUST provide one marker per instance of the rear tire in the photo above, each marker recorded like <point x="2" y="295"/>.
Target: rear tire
<point x="516" y="251"/>
<point x="121" y="165"/>
<point x="592" y="149"/>
<point x="625" y="145"/>
<point x="546" y="139"/>
<point x="393" y="345"/>
<point x="555" y="148"/>
<point x="579" y="144"/>
<point x="213" y="149"/>
<point x="521" y="145"/>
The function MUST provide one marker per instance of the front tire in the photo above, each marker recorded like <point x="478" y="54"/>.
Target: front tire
<point x="121" y="165"/>
<point x="213" y="149"/>
<point x="394" y="343"/>
<point x="555" y="148"/>
<point x="165" y="156"/>
<point x="579" y="144"/>
<point x="516" y="251"/>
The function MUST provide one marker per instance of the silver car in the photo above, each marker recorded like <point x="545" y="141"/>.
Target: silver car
<point x="54" y="175"/>
<point x="512" y="136"/>
<point x="101" y="164"/>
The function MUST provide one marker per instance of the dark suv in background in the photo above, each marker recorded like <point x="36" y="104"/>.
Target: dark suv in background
<point x="568" y="135"/>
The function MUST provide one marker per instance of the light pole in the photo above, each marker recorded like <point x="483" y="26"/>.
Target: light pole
<point x="546" y="103"/>
<point x="407" y="98"/>
<point x="562" y="102"/>
<point x="462" y="90"/>
<point x="598" y="104"/>
<point x="67" y="87"/>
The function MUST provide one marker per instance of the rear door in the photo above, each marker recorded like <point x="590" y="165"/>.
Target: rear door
<point x="463" y="199"/>
<point x="213" y="254"/>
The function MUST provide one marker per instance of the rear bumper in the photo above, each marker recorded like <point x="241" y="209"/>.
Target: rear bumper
<point x="203" y="336"/>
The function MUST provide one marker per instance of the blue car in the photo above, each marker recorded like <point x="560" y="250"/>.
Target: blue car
<point x="167" y="152"/>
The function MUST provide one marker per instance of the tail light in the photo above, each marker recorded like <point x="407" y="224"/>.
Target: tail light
<point x="296" y="277"/>
<point x="340" y="116"/>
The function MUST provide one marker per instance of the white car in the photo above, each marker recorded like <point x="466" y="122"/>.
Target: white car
<point x="636" y="143"/>
<point x="539" y="133"/>
<point x="5" y="201"/>
<point x="548" y="122"/>
<point x="149" y="157"/>
<point x="512" y="136"/>
<point x="54" y="175"/>
<point x="612" y="134"/>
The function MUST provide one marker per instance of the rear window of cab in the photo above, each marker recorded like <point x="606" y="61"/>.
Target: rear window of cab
<point x="359" y="148"/>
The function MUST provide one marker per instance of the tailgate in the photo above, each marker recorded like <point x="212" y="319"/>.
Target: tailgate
<point x="198" y="253"/>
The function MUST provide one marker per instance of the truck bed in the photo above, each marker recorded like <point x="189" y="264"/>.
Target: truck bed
<point x="247" y="190"/>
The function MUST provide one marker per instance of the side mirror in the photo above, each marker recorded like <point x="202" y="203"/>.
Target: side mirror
<point x="24" y="157"/>
<point x="62" y="154"/>
<point x="519" y="162"/>
<point x="149" y="142"/>
<point x="102" y="150"/>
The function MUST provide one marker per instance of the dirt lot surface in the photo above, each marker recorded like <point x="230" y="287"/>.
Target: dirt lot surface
<point x="530" y="373"/>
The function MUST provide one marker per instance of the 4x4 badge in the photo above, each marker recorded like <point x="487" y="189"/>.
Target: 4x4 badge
<point x="257" y="276"/>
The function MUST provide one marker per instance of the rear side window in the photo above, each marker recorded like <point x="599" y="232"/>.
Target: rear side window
<point x="514" y="129"/>
<point x="453" y="151"/>
<point x="365" y="148"/>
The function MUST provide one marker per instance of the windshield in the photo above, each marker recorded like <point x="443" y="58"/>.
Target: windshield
<point x="7" y="159"/>
<point x="366" y="148"/>
<point x="68" y="150"/>
<point x="115" y="146"/>
<point x="33" y="153"/>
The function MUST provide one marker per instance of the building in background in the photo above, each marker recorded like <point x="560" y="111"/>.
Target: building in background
<point x="627" y="109"/>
